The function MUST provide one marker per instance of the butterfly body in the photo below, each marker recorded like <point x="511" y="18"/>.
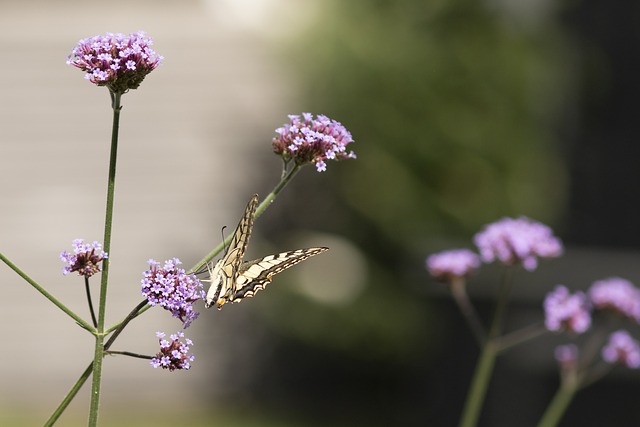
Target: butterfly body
<point x="233" y="279"/>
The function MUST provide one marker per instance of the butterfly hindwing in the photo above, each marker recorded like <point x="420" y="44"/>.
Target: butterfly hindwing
<point x="257" y="274"/>
<point x="232" y="279"/>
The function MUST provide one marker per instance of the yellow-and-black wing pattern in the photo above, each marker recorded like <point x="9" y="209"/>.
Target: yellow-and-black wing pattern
<point x="233" y="279"/>
<point x="256" y="275"/>
<point x="226" y="270"/>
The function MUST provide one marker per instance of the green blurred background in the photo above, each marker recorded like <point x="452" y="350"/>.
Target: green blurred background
<point x="462" y="112"/>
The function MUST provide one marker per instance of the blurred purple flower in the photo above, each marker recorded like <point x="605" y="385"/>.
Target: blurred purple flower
<point x="308" y="140"/>
<point x="566" y="355"/>
<point x="447" y="265"/>
<point x="84" y="259"/>
<point x="618" y="295"/>
<point x="564" y="311"/>
<point x="623" y="349"/>
<point x="517" y="240"/>
<point x="172" y="289"/>
<point x="173" y="354"/>
<point x="117" y="61"/>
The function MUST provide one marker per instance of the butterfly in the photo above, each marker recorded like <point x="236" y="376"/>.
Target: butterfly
<point x="233" y="279"/>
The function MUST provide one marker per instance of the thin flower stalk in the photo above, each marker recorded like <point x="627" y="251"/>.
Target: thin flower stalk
<point x="266" y="202"/>
<point x="90" y="302"/>
<point x="99" y="345"/>
<point x="70" y="396"/>
<point x="79" y="320"/>
<point x="486" y="363"/>
<point x="560" y="402"/>
<point x="139" y="309"/>
<point x="460" y="296"/>
<point x="520" y="336"/>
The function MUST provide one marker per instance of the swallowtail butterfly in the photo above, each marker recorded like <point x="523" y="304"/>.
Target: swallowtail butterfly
<point x="233" y="279"/>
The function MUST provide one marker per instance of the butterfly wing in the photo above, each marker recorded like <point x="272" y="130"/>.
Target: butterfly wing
<point x="257" y="274"/>
<point x="225" y="272"/>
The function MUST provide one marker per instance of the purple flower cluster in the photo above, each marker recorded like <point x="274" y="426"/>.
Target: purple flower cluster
<point x="308" y="140"/>
<point x="564" y="311"/>
<point x="173" y="354"/>
<point x="84" y="259"/>
<point x="517" y="240"/>
<point x="117" y="61"/>
<point x="448" y="265"/>
<point x="617" y="295"/>
<point x="622" y="349"/>
<point x="171" y="288"/>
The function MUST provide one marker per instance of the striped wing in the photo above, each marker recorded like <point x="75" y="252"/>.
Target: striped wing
<point x="226" y="271"/>
<point x="256" y="275"/>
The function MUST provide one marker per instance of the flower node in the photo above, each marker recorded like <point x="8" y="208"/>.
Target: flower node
<point x="173" y="354"/>
<point x="117" y="61"/>
<point x="172" y="289"/>
<point x="84" y="259"/>
<point x="308" y="140"/>
<point x="567" y="356"/>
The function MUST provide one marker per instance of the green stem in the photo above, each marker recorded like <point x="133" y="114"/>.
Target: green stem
<point x="99" y="348"/>
<point x="90" y="302"/>
<point x="284" y="180"/>
<point x="69" y="397"/>
<point x="129" y="318"/>
<point x="521" y="335"/>
<point x="140" y="308"/>
<point x="459" y="292"/>
<point x="484" y="368"/>
<point x="132" y="315"/>
<point x="287" y="176"/>
<point x="130" y="354"/>
<point x="559" y="404"/>
<point x="47" y="295"/>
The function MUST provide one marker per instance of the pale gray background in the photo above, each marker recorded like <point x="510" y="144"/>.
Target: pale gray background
<point x="194" y="144"/>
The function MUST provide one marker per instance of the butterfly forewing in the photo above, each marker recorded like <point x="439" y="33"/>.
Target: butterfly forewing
<point x="226" y="270"/>
<point x="232" y="279"/>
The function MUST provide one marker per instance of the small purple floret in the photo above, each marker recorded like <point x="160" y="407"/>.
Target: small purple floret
<point x="623" y="349"/>
<point x="448" y="265"/>
<point x="517" y="240"/>
<point x="173" y="354"/>
<point x="172" y="289"/>
<point x="117" y="61"/>
<point x="618" y="295"/>
<point x="84" y="259"/>
<point x="566" y="311"/>
<point x="312" y="140"/>
<point x="566" y="355"/>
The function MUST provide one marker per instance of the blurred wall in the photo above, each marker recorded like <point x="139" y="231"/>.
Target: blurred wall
<point x="195" y="139"/>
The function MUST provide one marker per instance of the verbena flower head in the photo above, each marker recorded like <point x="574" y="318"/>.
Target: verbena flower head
<point x="447" y="265"/>
<point x="622" y="349"/>
<point x="564" y="311"/>
<point x="517" y="240"/>
<point x="566" y="355"/>
<point x="172" y="289"/>
<point x="308" y="140"/>
<point x="617" y="295"/>
<point x="117" y="61"/>
<point x="173" y="354"/>
<point x="84" y="259"/>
